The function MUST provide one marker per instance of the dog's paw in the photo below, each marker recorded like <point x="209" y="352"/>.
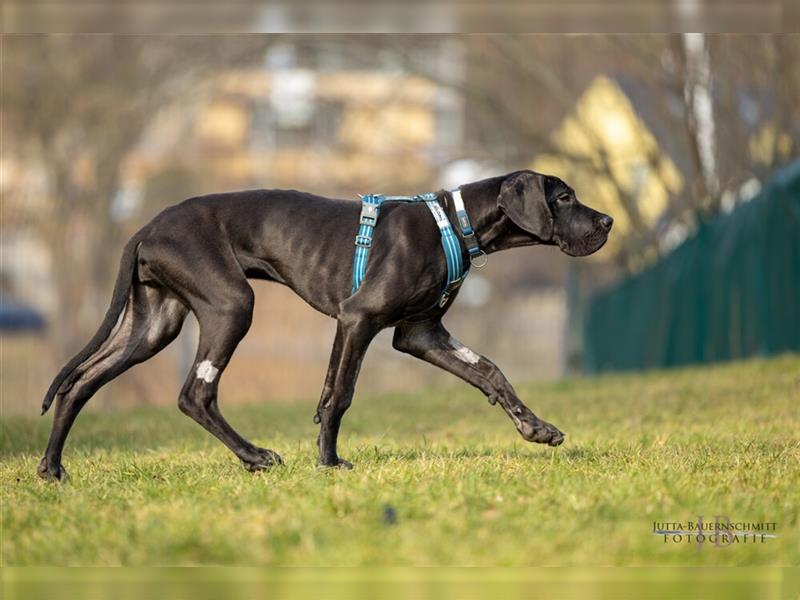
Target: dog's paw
<point x="339" y="463"/>
<point x="541" y="432"/>
<point x="50" y="472"/>
<point x="261" y="460"/>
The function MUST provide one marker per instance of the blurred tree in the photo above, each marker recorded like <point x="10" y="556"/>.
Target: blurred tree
<point x="73" y="107"/>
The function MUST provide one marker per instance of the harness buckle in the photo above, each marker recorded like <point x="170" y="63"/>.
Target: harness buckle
<point x="369" y="214"/>
<point x="363" y="241"/>
<point x="451" y="289"/>
<point x="471" y="242"/>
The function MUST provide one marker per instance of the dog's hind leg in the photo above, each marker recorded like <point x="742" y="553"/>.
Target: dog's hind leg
<point x="207" y="275"/>
<point x="151" y="319"/>
<point x="430" y="341"/>
<point x="223" y="324"/>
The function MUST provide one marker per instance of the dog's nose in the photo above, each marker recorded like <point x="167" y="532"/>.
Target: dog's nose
<point x="606" y="222"/>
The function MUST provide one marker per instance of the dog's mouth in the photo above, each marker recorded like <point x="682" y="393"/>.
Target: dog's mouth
<point x="590" y="243"/>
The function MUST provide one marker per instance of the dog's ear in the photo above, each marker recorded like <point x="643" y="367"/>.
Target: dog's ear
<point x="522" y="198"/>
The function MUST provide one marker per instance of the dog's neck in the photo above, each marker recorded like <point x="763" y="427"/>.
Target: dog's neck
<point x="494" y="230"/>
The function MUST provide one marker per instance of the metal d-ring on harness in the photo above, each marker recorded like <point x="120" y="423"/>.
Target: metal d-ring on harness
<point x="456" y="270"/>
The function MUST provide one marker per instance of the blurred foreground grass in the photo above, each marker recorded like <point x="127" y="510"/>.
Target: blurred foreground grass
<point x="440" y="478"/>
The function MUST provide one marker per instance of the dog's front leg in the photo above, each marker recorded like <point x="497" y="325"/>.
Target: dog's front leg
<point x="431" y="342"/>
<point x="353" y="335"/>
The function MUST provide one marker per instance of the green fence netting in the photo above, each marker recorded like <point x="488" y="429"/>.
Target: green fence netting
<point x="731" y="291"/>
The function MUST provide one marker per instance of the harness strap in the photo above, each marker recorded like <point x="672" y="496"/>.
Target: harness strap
<point x="452" y="251"/>
<point x="467" y="232"/>
<point x="370" y="207"/>
<point x="456" y="270"/>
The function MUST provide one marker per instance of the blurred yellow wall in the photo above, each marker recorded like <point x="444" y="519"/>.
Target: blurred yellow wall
<point x="382" y="119"/>
<point x="606" y="147"/>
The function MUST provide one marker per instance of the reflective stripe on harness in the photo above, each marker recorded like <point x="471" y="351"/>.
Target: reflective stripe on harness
<point x="456" y="270"/>
<point x="370" y="207"/>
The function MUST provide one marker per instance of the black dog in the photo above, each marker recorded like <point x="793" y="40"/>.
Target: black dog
<point x="198" y="256"/>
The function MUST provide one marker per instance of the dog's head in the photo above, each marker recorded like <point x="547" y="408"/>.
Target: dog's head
<point x="548" y="209"/>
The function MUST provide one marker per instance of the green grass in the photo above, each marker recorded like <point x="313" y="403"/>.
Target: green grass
<point x="150" y="487"/>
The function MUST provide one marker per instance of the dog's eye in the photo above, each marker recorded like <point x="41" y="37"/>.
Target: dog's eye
<point x="563" y="197"/>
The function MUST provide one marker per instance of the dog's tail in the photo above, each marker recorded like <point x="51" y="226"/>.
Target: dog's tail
<point x="65" y="378"/>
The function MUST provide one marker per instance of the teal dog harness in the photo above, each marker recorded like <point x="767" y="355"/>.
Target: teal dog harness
<point x="456" y="270"/>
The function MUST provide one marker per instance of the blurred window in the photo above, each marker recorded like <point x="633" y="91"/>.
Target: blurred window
<point x="273" y="131"/>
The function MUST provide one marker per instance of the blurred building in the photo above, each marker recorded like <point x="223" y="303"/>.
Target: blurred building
<point x="302" y="121"/>
<point x="603" y="128"/>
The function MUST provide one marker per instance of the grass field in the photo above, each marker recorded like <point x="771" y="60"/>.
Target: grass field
<point x="440" y="478"/>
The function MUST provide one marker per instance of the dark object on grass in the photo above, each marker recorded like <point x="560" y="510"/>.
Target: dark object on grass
<point x="389" y="515"/>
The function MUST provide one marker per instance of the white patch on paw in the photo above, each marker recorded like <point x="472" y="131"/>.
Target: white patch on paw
<point x="463" y="353"/>
<point x="206" y="371"/>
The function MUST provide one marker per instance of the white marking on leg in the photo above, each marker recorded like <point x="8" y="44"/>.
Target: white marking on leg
<point x="206" y="371"/>
<point x="463" y="353"/>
